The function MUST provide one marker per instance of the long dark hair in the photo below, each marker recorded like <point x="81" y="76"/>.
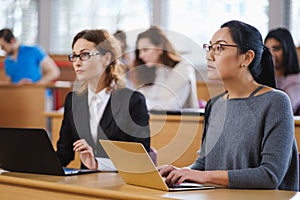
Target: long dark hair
<point x="248" y="38"/>
<point x="290" y="57"/>
<point x="145" y="75"/>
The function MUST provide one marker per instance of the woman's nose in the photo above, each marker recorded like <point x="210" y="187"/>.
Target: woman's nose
<point x="141" y="55"/>
<point x="77" y="62"/>
<point x="209" y="56"/>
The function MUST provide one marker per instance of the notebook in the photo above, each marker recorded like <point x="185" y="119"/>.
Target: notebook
<point x="30" y="150"/>
<point x="136" y="167"/>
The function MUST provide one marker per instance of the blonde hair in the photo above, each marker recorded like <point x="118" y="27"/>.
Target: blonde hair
<point x="105" y="43"/>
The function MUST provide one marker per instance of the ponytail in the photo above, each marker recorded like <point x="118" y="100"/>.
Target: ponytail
<point x="247" y="38"/>
<point x="267" y="76"/>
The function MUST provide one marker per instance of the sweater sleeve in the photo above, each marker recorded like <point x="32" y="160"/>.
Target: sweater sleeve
<point x="276" y="148"/>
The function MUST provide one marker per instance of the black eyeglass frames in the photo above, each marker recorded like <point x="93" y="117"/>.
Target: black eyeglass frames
<point x="216" y="48"/>
<point x="82" y="56"/>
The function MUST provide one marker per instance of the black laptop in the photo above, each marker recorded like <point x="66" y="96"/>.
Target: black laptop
<point x="29" y="150"/>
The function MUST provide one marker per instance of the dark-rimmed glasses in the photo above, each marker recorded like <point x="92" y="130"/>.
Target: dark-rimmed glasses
<point x="275" y="48"/>
<point x="82" y="56"/>
<point x="216" y="48"/>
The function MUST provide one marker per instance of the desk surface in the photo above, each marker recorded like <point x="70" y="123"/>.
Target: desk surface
<point x="297" y="120"/>
<point x="110" y="186"/>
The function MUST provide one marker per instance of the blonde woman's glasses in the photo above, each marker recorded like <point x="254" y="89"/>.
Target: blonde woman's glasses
<point x="82" y="56"/>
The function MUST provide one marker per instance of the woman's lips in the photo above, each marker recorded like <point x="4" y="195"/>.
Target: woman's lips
<point x="79" y="71"/>
<point x="210" y="67"/>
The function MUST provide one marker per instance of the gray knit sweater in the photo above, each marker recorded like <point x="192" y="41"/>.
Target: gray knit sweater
<point x="252" y="138"/>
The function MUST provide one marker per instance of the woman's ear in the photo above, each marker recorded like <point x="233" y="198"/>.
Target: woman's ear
<point x="160" y="50"/>
<point x="249" y="56"/>
<point x="107" y="58"/>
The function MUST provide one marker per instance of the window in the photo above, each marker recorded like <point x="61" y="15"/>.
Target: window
<point x="197" y="20"/>
<point x="70" y="17"/>
<point x="295" y="21"/>
<point x="22" y="17"/>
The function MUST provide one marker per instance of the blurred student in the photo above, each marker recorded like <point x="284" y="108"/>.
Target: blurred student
<point x="99" y="107"/>
<point x="287" y="69"/>
<point x="167" y="81"/>
<point x="126" y="57"/>
<point x="26" y="64"/>
<point x="248" y="139"/>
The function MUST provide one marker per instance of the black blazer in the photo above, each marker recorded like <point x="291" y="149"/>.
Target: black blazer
<point x="125" y="118"/>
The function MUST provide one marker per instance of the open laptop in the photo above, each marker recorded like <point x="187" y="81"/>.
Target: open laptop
<point x="136" y="167"/>
<point x="30" y="150"/>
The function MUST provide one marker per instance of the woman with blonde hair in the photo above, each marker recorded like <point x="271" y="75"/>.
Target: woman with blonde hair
<point x="99" y="107"/>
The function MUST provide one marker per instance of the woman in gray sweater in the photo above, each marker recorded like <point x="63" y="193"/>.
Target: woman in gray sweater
<point x="248" y="139"/>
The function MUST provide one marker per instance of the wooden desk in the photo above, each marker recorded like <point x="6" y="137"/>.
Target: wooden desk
<point x="22" y="106"/>
<point x="176" y="138"/>
<point x="19" y="186"/>
<point x="180" y="135"/>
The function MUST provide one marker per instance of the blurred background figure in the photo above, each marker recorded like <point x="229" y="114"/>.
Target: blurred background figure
<point x="287" y="71"/>
<point x="26" y="64"/>
<point x="167" y="81"/>
<point x="126" y="57"/>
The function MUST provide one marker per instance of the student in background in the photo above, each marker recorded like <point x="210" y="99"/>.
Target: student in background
<point x="285" y="58"/>
<point x="126" y="57"/>
<point x="26" y="64"/>
<point x="99" y="107"/>
<point x="248" y="138"/>
<point x="166" y="80"/>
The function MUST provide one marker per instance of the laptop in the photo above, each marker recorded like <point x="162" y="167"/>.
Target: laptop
<point x="136" y="167"/>
<point x="30" y="150"/>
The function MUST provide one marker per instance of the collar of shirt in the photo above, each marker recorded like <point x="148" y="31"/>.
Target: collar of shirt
<point x="103" y="95"/>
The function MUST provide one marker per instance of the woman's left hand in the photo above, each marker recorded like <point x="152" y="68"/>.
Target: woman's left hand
<point x="181" y="175"/>
<point x="86" y="153"/>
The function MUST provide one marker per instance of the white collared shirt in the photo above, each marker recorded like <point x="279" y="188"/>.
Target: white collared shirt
<point x="102" y="98"/>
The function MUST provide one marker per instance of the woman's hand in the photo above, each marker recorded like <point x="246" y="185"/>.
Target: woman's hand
<point x="86" y="154"/>
<point x="176" y="177"/>
<point x="179" y="176"/>
<point x="164" y="170"/>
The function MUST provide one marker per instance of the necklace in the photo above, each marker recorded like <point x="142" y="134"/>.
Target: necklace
<point x="251" y="94"/>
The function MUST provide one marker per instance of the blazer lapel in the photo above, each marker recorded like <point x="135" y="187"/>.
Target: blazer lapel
<point x="82" y="117"/>
<point x="106" y="119"/>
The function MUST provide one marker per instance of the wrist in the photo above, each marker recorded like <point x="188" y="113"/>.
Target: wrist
<point x="207" y="177"/>
<point x="219" y="177"/>
<point x="95" y="164"/>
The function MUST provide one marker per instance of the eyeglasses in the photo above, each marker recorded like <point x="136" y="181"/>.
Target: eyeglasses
<point x="82" y="56"/>
<point x="216" y="48"/>
<point x="275" y="48"/>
